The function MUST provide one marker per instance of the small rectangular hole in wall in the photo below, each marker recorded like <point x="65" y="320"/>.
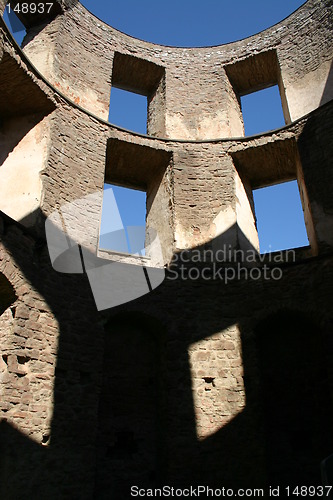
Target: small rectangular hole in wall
<point x="262" y="111"/>
<point x="123" y="223"/>
<point x="280" y="219"/>
<point x="128" y="110"/>
<point x="15" y="26"/>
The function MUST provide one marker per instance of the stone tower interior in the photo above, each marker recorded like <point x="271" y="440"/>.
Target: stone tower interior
<point x="199" y="381"/>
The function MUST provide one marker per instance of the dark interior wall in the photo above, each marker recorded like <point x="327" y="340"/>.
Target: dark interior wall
<point x="123" y="404"/>
<point x="296" y="398"/>
<point x="131" y="405"/>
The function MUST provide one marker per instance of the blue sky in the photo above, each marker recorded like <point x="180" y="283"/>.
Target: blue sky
<point x="197" y="23"/>
<point x="191" y="22"/>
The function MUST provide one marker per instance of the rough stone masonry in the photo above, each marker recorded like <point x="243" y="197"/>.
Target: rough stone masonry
<point x="200" y="381"/>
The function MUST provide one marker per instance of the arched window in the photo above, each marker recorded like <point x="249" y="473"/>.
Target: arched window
<point x="130" y="409"/>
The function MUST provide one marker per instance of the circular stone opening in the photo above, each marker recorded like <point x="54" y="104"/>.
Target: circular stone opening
<point x="191" y="23"/>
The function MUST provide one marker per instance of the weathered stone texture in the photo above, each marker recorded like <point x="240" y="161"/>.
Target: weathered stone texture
<point x="172" y="387"/>
<point x="199" y="102"/>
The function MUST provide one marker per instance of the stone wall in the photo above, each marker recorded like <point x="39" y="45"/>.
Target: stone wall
<point x="210" y="416"/>
<point x="200" y="101"/>
<point x="174" y="387"/>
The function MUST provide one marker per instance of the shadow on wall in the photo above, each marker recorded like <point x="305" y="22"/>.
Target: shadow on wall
<point x="296" y="407"/>
<point x="7" y="294"/>
<point x="124" y="408"/>
<point x="22" y="159"/>
<point x="13" y="130"/>
<point x="316" y="153"/>
<point x="328" y="91"/>
<point x="132" y="408"/>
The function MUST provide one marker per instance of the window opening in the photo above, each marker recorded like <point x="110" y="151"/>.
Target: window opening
<point x="123" y="223"/>
<point x="128" y="110"/>
<point x="15" y="26"/>
<point x="280" y="219"/>
<point x="262" y="111"/>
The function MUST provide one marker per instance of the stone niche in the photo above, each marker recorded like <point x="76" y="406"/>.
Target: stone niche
<point x="148" y="169"/>
<point x="24" y="140"/>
